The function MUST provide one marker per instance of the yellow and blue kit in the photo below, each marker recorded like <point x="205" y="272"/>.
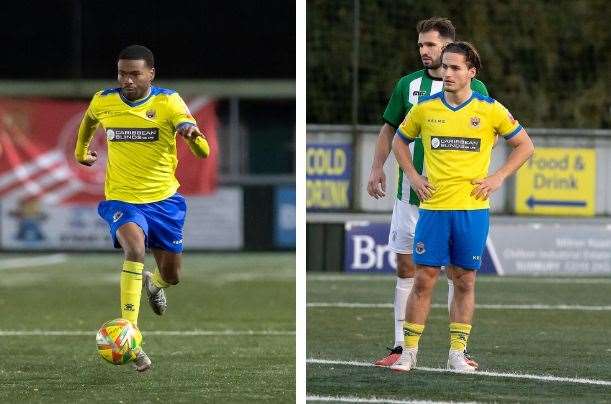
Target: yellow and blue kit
<point x="140" y="184"/>
<point x="458" y="142"/>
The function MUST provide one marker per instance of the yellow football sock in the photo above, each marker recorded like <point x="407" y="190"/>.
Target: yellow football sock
<point x="412" y="333"/>
<point x="459" y="335"/>
<point x="131" y="286"/>
<point x="158" y="280"/>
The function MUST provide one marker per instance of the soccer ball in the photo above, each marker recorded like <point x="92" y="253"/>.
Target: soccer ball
<point x="119" y="341"/>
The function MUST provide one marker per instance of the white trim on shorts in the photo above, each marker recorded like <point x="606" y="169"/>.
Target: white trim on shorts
<point x="402" y="227"/>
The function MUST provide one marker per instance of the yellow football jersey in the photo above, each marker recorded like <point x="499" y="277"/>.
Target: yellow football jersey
<point x="458" y="145"/>
<point x="141" y="142"/>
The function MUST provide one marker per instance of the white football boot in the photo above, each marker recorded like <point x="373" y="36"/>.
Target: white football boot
<point x="407" y="361"/>
<point x="458" y="362"/>
<point x="142" y="362"/>
<point x="156" y="296"/>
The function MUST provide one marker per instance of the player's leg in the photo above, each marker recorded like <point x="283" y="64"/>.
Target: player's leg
<point x="169" y="265"/>
<point x="469" y="232"/>
<point x="166" y="275"/>
<point x="400" y="241"/>
<point x="417" y="311"/>
<point x="431" y="252"/>
<point x="166" y="220"/>
<point x="462" y="316"/>
<point x="128" y="229"/>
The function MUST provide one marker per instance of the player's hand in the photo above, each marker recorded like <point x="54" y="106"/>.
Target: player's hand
<point x="376" y="186"/>
<point x="90" y="159"/>
<point x="485" y="187"/>
<point x="420" y="184"/>
<point x="190" y="132"/>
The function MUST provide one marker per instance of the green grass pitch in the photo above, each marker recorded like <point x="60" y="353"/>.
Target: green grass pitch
<point x="232" y="293"/>
<point x="555" y="341"/>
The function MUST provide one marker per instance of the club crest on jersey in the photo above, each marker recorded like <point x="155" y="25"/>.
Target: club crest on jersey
<point x="420" y="248"/>
<point x="475" y="121"/>
<point x="117" y="216"/>
<point x="150" y="113"/>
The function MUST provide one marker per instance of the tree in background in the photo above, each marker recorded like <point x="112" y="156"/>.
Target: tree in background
<point x="547" y="60"/>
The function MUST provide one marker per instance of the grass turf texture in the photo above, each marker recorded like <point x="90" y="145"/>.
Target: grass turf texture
<point x="217" y="292"/>
<point x="565" y="343"/>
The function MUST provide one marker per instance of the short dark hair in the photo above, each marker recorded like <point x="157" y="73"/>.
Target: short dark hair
<point x="468" y="50"/>
<point x="442" y="25"/>
<point x="138" y="52"/>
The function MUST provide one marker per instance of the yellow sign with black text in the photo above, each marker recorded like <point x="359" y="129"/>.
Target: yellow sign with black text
<point x="557" y="181"/>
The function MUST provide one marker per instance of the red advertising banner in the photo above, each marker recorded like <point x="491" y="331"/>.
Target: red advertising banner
<point x="37" y="138"/>
<point x="49" y="201"/>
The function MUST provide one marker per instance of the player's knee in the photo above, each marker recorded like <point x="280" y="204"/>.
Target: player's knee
<point x="464" y="284"/>
<point x="171" y="275"/>
<point x="405" y="266"/>
<point x="423" y="285"/>
<point x="134" y="251"/>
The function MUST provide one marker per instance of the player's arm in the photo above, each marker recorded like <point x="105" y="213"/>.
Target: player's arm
<point x="186" y="127"/>
<point x="393" y="115"/>
<point x="523" y="148"/>
<point x="82" y="154"/>
<point x="376" y="186"/>
<point x="400" y="146"/>
<point x="195" y="139"/>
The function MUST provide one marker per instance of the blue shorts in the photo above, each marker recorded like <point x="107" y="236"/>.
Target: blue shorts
<point x="456" y="237"/>
<point x="162" y="222"/>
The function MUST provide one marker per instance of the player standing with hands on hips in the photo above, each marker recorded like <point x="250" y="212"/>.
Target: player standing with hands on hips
<point x="142" y="207"/>
<point x="433" y="34"/>
<point x="458" y="128"/>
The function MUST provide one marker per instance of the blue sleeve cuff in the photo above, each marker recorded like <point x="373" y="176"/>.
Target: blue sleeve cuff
<point x="402" y="136"/>
<point x="513" y="133"/>
<point x="184" y="124"/>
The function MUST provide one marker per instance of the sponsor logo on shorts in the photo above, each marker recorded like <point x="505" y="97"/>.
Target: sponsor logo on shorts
<point x="455" y="143"/>
<point x="477" y="258"/>
<point x="116" y="216"/>
<point x="420" y="248"/>
<point x="132" y="134"/>
<point x="177" y="241"/>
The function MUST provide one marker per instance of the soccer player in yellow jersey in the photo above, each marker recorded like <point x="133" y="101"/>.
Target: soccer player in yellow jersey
<point x="458" y="129"/>
<point x="142" y="207"/>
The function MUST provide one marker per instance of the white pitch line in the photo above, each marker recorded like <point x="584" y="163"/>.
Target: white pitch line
<point x="477" y="306"/>
<point x="353" y="399"/>
<point x="25" y="262"/>
<point x="545" y="378"/>
<point x="481" y="279"/>
<point x="187" y="333"/>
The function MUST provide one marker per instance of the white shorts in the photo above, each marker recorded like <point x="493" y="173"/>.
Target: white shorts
<point x="402" y="227"/>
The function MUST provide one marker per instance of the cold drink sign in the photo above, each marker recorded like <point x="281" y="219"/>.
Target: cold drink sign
<point x="557" y="181"/>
